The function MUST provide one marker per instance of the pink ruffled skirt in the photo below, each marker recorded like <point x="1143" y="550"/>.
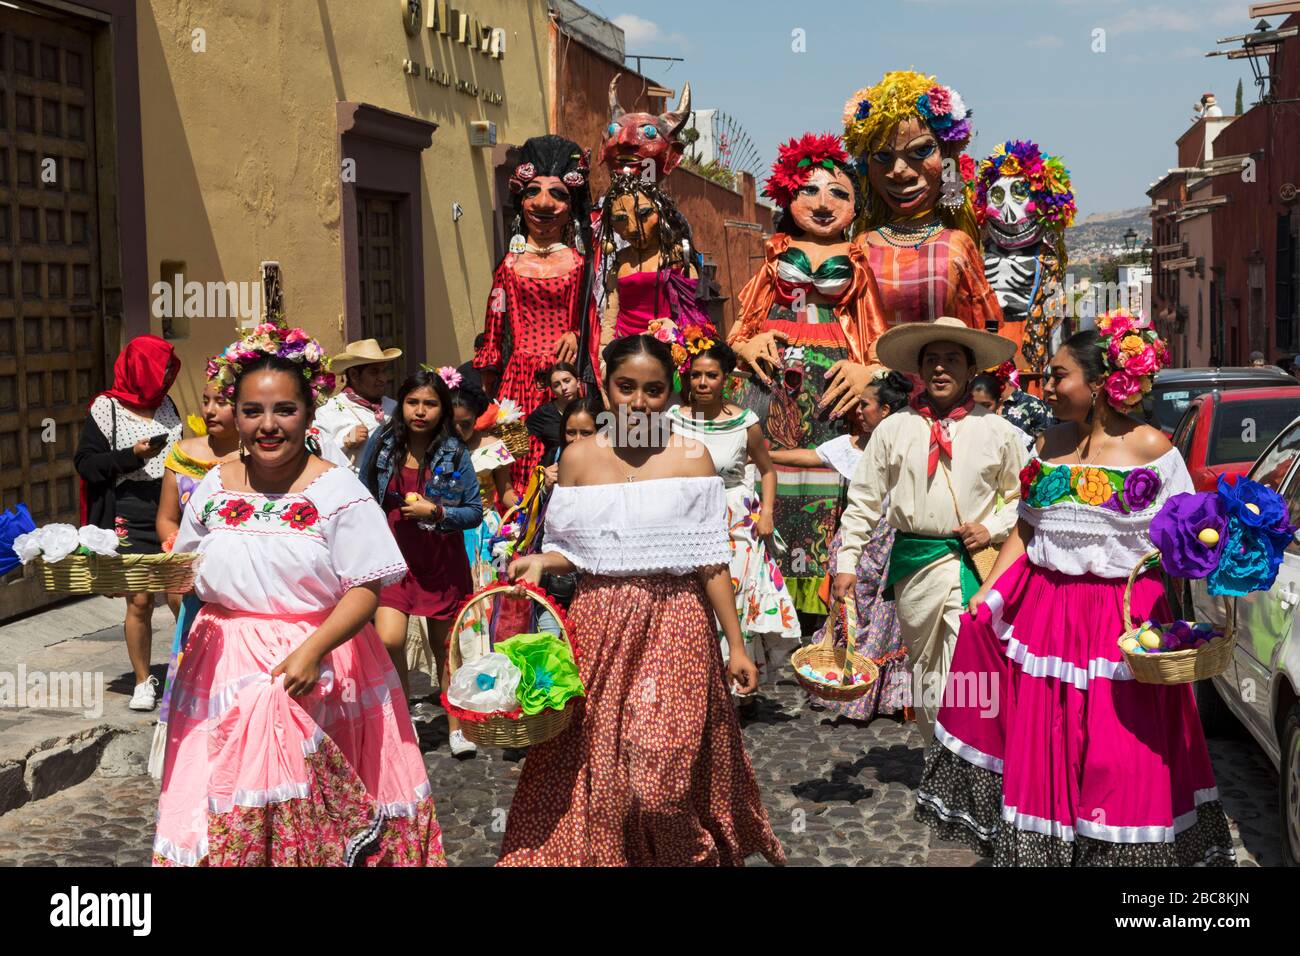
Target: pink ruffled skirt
<point x="1048" y="752"/>
<point x="254" y="777"/>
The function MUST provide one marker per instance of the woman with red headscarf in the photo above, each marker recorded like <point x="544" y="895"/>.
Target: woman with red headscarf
<point x="124" y="442"/>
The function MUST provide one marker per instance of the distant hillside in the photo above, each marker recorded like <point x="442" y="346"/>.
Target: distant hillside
<point x="1101" y="234"/>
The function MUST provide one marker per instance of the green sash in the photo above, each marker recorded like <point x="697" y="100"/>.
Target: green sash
<point x="912" y="552"/>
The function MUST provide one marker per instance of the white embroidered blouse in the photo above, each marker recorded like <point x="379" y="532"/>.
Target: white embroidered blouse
<point x="657" y="526"/>
<point x="1097" y="520"/>
<point x="295" y="553"/>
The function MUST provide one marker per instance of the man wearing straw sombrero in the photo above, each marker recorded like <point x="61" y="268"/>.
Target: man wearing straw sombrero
<point x="351" y="416"/>
<point x="942" y="463"/>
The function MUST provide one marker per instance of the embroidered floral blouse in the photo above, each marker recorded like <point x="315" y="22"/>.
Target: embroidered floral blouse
<point x="1090" y="519"/>
<point x="295" y="553"/>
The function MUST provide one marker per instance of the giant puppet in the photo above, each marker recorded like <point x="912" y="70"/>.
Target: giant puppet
<point x="1024" y="205"/>
<point x="540" y="310"/>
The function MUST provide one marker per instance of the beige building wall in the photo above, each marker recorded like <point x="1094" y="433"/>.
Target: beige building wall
<point x="241" y="151"/>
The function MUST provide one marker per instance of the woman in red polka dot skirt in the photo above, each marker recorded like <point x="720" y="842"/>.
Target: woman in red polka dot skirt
<point x="540" y="310"/>
<point x="652" y="770"/>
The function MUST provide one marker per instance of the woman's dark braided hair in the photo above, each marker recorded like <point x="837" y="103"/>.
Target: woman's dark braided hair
<point x="554" y="156"/>
<point x="785" y="222"/>
<point x="673" y="227"/>
<point x="395" y="430"/>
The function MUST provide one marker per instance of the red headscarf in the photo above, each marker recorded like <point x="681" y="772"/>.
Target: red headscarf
<point x="140" y="373"/>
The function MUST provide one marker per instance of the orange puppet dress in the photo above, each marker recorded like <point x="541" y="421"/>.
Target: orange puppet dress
<point x="809" y="500"/>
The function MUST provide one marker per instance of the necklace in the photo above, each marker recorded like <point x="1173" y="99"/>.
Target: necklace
<point x="546" y="251"/>
<point x="901" y="237"/>
<point x="1078" y="451"/>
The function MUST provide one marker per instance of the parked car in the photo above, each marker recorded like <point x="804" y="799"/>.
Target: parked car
<point x="1174" y="389"/>
<point x="1222" y="433"/>
<point x="1261" y="683"/>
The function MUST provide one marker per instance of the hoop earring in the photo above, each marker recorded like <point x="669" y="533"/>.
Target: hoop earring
<point x="1092" y="409"/>
<point x="243" y="452"/>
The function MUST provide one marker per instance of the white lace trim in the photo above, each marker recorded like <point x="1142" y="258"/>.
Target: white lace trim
<point x="671" y="525"/>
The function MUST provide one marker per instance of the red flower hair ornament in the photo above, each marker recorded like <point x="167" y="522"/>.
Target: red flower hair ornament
<point x="795" y="162"/>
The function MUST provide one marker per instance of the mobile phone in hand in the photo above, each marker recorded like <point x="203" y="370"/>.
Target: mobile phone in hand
<point x="157" y="441"/>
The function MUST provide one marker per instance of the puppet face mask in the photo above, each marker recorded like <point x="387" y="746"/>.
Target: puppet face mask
<point x="1012" y="222"/>
<point x="642" y="143"/>
<point x="823" y="205"/>
<point x="545" y="203"/>
<point x="635" y="219"/>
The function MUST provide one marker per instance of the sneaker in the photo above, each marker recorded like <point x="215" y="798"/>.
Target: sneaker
<point x="145" y="697"/>
<point x="460" y="747"/>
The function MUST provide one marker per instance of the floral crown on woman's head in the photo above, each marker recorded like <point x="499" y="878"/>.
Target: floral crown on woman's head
<point x="277" y="339"/>
<point x="872" y="113"/>
<point x="686" y="342"/>
<point x="1133" y="354"/>
<point x="795" y="162"/>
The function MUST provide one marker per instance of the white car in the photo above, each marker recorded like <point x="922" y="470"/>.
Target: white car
<point x="1260" y="685"/>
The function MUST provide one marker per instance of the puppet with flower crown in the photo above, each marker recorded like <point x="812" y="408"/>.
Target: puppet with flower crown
<point x="806" y="331"/>
<point x="540" y="309"/>
<point x="907" y="135"/>
<point x="1023" y="204"/>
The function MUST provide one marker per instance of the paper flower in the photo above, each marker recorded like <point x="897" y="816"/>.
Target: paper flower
<point x="1246" y="564"/>
<point x="1253" y="504"/>
<point x="1141" y="485"/>
<point x="28" y="546"/>
<point x="98" y="540"/>
<point x="1176" y="531"/>
<point x="508" y="411"/>
<point x="58" y="541"/>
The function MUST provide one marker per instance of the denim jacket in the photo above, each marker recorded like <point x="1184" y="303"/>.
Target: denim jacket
<point x="452" y="481"/>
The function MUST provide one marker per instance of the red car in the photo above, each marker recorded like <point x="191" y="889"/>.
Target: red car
<point x="1222" y="433"/>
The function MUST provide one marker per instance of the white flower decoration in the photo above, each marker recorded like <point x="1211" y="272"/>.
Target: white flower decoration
<point x="58" y="541"/>
<point x="27" y="546"/>
<point x="98" y="540"/>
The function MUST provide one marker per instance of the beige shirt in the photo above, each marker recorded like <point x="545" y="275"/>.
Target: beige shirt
<point x="987" y="455"/>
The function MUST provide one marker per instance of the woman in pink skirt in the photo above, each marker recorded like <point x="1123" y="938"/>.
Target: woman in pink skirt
<point x="1047" y="752"/>
<point x="289" y="742"/>
<point x="652" y="770"/>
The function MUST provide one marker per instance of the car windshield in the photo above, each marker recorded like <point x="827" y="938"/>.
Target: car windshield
<point x="1164" y="406"/>
<point x="1243" y="429"/>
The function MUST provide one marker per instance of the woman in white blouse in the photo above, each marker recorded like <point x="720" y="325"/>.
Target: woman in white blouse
<point x="288" y="740"/>
<point x="652" y="771"/>
<point x="1047" y="752"/>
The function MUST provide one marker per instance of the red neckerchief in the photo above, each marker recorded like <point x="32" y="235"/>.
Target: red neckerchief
<point x="376" y="407"/>
<point x="940" y="437"/>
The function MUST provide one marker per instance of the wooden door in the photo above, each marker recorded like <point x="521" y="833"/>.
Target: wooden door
<point x="379" y="260"/>
<point x="51" y="331"/>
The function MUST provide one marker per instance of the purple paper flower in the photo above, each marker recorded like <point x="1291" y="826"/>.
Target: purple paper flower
<point x="1269" y="507"/>
<point x="957" y="132"/>
<point x="1176" y="529"/>
<point x="1140" y="488"/>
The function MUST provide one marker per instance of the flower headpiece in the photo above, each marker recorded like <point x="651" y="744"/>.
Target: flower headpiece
<point x="1049" y="182"/>
<point x="795" y="162"/>
<point x="450" y="376"/>
<point x="1133" y="353"/>
<point x="1007" y="374"/>
<point x="278" y="339"/>
<point x="686" y="342"/>
<point x="872" y="113"/>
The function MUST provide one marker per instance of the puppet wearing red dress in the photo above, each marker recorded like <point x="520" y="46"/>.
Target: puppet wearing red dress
<point x="540" y="310"/>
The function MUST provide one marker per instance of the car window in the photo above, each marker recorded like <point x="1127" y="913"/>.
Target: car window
<point x="1186" y="429"/>
<point x="1242" y="430"/>
<point x="1165" y="406"/>
<point x="1273" y="467"/>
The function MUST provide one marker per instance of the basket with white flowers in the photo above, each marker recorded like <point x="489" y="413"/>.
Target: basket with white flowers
<point x="85" y="560"/>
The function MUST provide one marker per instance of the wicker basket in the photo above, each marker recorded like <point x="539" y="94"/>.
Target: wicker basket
<point x="1176" y="667"/>
<point x="505" y="731"/>
<point x="515" y="436"/>
<point x="825" y="656"/>
<point x="120" y="573"/>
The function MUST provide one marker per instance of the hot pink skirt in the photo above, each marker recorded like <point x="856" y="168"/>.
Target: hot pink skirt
<point x="1048" y="752"/>
<point x="254" y="777"/>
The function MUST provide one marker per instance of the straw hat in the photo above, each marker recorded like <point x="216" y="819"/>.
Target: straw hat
<point x="900" y="347"/>
<point x="364" y="352"/>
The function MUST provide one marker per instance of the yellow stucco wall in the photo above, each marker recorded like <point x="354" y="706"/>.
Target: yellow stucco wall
<point x="241" y="150"/>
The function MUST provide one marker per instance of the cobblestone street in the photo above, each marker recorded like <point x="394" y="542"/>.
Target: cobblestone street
<point x="837" y="795"/>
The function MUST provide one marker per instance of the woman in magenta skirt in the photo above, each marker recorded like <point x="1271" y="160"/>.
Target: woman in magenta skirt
<point x="1047" y="752"/>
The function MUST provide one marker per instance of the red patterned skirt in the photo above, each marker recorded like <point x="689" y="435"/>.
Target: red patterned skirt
<point x="652" y="770"/>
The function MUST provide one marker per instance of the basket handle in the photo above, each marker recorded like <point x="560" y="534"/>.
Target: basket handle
<point x="1128" y="588"/>
<point x="848" y="617"/>
<point x="498" y="589"/>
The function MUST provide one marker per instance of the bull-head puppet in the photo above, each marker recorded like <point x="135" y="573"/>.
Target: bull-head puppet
<point x="632" y="139"/>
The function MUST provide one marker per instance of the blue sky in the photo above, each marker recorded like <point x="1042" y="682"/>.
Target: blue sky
<point x="1026" y="67"/>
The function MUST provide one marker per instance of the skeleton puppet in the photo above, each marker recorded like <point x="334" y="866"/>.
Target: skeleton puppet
<point x="1024" y="205"/>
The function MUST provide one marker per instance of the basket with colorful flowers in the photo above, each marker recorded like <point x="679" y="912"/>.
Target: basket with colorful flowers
<point x="520" y="692"/>
<point x="835" y="673"/>
<point x="510" y="427"/>
<point x="1234" y="538"/>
